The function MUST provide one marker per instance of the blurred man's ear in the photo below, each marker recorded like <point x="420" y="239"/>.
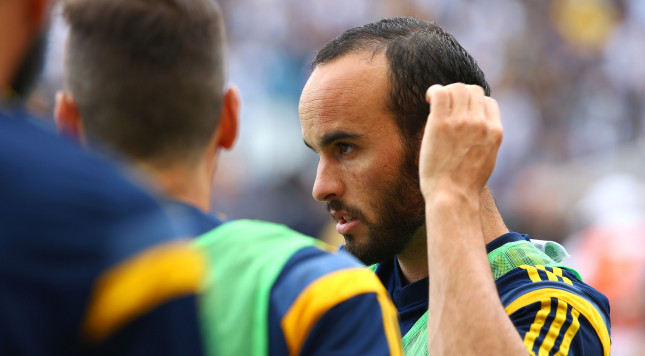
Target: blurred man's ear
<point x="68" y="120"/>
<point x="229" y="119"/>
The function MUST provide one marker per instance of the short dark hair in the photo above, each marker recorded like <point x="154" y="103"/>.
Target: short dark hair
<point x="419" y="53"/>
<point x="148" y="76"/>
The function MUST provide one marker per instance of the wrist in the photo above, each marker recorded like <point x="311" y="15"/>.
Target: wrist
<point x="445" y="190"/>
<point x="448" y="194"/>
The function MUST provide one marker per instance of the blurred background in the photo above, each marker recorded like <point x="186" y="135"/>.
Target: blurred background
<point x="569" y="76"/>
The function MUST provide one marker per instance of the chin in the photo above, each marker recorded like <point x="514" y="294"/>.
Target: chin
<point x="365" y="252"/>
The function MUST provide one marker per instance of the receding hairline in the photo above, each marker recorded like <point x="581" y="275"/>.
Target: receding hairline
<point x="369" y="60"/>
<point x="331" y="88"/>
<point x="370" y="48"/>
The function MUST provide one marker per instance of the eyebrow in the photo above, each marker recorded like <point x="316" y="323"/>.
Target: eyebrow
<point x="333" y="136"/>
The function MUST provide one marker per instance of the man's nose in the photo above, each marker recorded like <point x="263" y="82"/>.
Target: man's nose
<point x="328" y="184"/>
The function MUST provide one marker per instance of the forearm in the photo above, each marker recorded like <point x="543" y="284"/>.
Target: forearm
<point x="466" y="315"/>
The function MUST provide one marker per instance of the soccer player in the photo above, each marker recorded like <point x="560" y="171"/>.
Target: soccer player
<point x="87" y="259"/>
<point x="363" y="110"/>
<point x="146" y="82"/>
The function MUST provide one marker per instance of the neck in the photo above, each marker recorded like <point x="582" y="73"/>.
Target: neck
<point x="492" y="223"/>
<point x="191" y="185"/>
<point x="413" y="261"/>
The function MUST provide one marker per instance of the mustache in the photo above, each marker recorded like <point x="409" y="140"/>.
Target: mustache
<point x="337" y="204"/>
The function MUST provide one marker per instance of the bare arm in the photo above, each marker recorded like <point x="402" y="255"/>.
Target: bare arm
<point x="457" y="156"/>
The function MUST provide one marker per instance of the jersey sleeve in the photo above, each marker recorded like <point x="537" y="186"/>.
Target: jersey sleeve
<point x="359" y="319"/>
<point x="171" y="328"/>
<point x="74" y="234"/>
<point x="555" y="313"/>
<point x="326" y="303"/>
<point x="147" y="303"/>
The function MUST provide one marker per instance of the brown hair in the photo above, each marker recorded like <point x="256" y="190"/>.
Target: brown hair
<point x="147" y="75"/>
<point x="420" y="54"/>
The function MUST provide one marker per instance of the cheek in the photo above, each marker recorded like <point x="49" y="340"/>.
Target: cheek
<point x="372" y="181"/>
<point x="384" y="168"/>
<point x="369" y="174"/>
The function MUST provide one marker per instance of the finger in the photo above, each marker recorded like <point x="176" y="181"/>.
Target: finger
<point x="494" y="119"/>
<point x="476" y="104"/>
<point x="439" y="101"/>
<point x="492" y="110"/>
<point x="460" y="97"/>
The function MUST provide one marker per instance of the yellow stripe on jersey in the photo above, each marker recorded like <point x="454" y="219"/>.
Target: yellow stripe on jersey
<point x="390" y="324"/>
<point x="141" y="283"/>
<point x="554" y="330"/>
<point x="329" y="291"/>
<point x="558" y="272"/>
<point x="555" y="276"/>
<point x="549" y="274"/>
<point x="533" y="273"/>
<point x="536" y="327"/>
<point x="578" y="303"/>
<point x="569" y="334"/>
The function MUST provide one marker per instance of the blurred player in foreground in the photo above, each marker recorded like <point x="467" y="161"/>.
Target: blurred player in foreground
<point x="146" y="81"/>
<point x="87" y="260"/>
<point x="364" y="111"/>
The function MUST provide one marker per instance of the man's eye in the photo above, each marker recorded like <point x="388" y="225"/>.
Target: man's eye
<point x="344" y="148"/>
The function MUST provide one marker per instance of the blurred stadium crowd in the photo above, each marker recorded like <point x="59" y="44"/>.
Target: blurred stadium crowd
<point x="569" y="77"/>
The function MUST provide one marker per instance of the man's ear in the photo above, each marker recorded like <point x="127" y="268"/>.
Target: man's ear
<point x="229" y="118"/>
<point x="68" y="120"/>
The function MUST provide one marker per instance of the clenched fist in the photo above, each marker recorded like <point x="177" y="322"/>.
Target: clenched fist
<point x="460" y="141"/>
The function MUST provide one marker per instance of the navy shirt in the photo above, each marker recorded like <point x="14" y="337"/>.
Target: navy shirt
<point x="353" y="326"/>
<point x="556" y="310"/>
<point x="411" y="300"/>
<point x="70" y="225"/>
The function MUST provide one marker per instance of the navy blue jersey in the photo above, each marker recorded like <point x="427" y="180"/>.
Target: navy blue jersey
<point x="344" y="325"/>
<point x="84" y="255"/>
<point x="411" y="300"/>
<point x="553" y="311"/>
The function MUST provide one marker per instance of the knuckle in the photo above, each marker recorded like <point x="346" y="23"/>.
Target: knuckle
<point x="476" y="120"/>
<point x="461" y="88"/>
<point x="461" y="121"/>
<point x="475" y="89"/>
<point x="442" y="125"/>
<point x="497" y="133"/>
<point x="483" y="128"/>
<point x="456" y="87"/>
<point x="440" y="93"/>
<point x="491" y="103"/>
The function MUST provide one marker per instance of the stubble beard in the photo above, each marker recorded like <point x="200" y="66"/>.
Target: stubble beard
<point x="401" y="212"/>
